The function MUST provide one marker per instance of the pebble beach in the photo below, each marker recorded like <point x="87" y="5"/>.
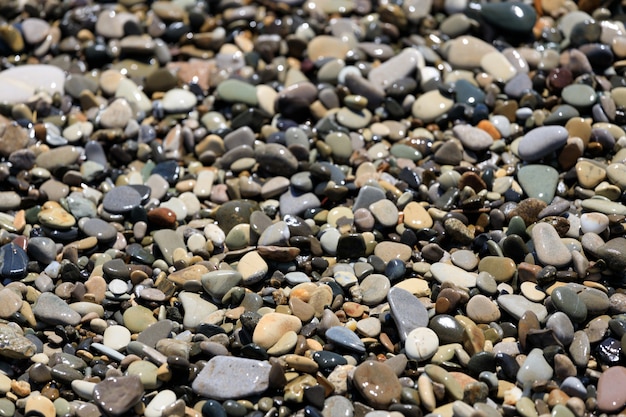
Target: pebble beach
<point x="312" y="208"/>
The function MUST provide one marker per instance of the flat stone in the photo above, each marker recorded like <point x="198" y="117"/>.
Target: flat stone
<point x="10" y="303"/>
<point x="431" y="105"/>
<point x="21" y="82"/>
<point x="121" y="199"/>
<point x="377" y="383"/>
<point x="178" y="100"/>
<point x="534" y="368"/>
<point x="54" y="310"/>
<point x="408" y="312"/>
<point x="516" y="305"/>
<point x="566" y="300"/>
<point x="482" y="310"/>
<point x="117" y="395"/>
<point x="549" y="247"/>
<point x="538" y="181"/>
<point x="421" y="344"/>
<point x="541" y="141"/>
<point x="345" y="338"/>
<point x="443" y="272"/>
<point x="229" y="377"/>
<point x="614" y="253"/>
<point x="472" y="138"/>
<point x="611" y="397"/>
<point x="272" y="327"/>
<point x="116" y="337"/>
<point x="138" y="318"/>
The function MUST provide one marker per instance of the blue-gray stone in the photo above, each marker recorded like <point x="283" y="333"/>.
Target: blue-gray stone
<point x="408" y="312"/>
<point x="121" y="199"/>
<point x="346" y="338"/>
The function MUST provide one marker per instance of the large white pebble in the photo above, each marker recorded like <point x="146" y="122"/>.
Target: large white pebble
<point x="116" y="337"/>
<point x="421" y="343"/>
<point x="593" y="222"/>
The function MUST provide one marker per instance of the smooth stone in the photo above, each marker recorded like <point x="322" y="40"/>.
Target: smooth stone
<point x="431" y="105"/>
<point x="374" y="289"/>
<point x="13" y="262"/>
<point x="561" y="326"/>
<point x="272" y="326"/>
<point x="10" y="303"/>
<point x="613" y="252"/>
<point x="472" y="138"/>
<point x="566" y="300"/>
<point x="103" y="231"/>
<point x="580" y="96"/>
<point x="345" y="338"/>
<point x="367" y="196"/>
<point x="541" y="141"/>
<point x="385" y="212"/>
<point x="396" y="68"/>
<point x="117" y="395"/>
<point x="534" y="368"/>
<point x="603" y="205"/>
<point x="393" y="250"/>
<point x="116" y="115"/>
<point x="178" y="100"/>
<point x="54" y="310"/>
<point x="549" y="247"/>
<point x="443" y="272"/>
<point x="159" y="403"/>
<point x="466" y="52"/>
<point x="138" y="318"/>
<point x="15" y="345"/>
<point x="510" y="17"/>
<point x="482" y="310"/>
<point x="324" y="46"/>
<point x="276" y="234"/>
<point x="168" y="241"/>
<point x="377" y="383"/>
<point x="21" y="82"/>
<point x="146" y="371"/>
<point x="497" y="65"/>
<point x="229" y="377"/>
<point x="610" y="394"/>
<point x="116" y="337"/>
<point x="236" y="91"/>
<point x="580" y="348"/>
<point x="121" y="199"/>
<point x="218" y="283"/>
<point x="441" y="376"/>
<point x="421" y="343"/>
<point x="293" y="203"/>
<point x="501" y="268"/>
<point x="408" y="312"/>
<point x="516" y="305"/>
<point x="252" y="267"/>
<point x="538" y="181"/>
<point x="196" y="308"/>
<point x="62" y="156"/>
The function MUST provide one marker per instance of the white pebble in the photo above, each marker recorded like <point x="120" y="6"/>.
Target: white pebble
<point x="593" y="222"/>
<point x="421" y="343"/>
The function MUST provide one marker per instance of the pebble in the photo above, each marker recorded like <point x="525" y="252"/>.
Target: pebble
<point x="377" y="383"/>
<point x="541" y="141"/>
<point x="117" y="395"/>
<point x="224" y="378"/>
<point x="408" y="312"/>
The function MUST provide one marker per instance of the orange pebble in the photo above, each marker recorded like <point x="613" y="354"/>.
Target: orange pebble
<point x="488" y="127"/>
